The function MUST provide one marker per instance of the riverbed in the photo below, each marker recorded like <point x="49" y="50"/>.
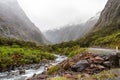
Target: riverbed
<point x="14" y="75"/>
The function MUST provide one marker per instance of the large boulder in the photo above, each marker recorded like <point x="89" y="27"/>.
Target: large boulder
<point x="80" y="66"/>
<point x="114" y="60"/>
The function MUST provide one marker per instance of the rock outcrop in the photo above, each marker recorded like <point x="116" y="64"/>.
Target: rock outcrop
<point x="110" y="15"/>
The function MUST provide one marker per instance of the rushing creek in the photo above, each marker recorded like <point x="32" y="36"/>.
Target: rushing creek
<point x="14" y="75"/>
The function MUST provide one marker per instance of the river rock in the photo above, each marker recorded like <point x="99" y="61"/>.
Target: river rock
<point x="85" y="75"/>
<point x="106" y="58"/>
<point x="21" y="72"/>
<point x="98" y="59"/>
<point x="100" y="67"/>
<point x="68" y="76"/>
<point x="92" y="66"/>
<point x="42" y="77"/>
<point x="13" y="73"/>
<point x="80" y="66"/>
<point x="107" y="63"/>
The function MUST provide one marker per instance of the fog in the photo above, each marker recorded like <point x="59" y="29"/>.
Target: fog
<point x="50" y="14"/>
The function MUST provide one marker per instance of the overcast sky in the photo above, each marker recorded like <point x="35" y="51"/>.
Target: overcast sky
<point x="50" y="14"/>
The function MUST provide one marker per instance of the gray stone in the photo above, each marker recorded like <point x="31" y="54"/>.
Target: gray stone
<point x="107" y="63"/>
<point x="21" y="72"/>
<point x="118" y="54"/>
<point x="114" y="60"/>
<point x="80" y="66"/>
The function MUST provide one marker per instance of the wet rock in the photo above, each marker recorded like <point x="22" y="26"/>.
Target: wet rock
<point x="38" y="77"/>
<point x="13" y="73"/>
<point x="100" y="67"/>
<point x="85" y="75"/>
<point x="21" y="72"/>
<point x="80" y="66"/>
<point x="34" y="75"/>
<point x="68" y="76"/>
<point x="106" y="58"/>
<point x="92" y="66"/>
<point x="42" y="76"/>
<point x="114" y="60"/>
<point x="107" y="63"/>
<point x="98" y="59"/>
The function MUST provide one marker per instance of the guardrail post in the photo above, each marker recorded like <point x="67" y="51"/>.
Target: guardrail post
<point x="118" y="54"/>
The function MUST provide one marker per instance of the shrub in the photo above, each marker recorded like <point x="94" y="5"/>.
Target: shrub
<point x="53" y="69"/>
<point x="16" y="56"/>
<point x="59" y="78"/>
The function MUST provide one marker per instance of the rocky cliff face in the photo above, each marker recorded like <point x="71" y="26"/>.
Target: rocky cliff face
<point x="15" y="24"/>
<point x="71" y="32"/>
<point x="110" y="15"/>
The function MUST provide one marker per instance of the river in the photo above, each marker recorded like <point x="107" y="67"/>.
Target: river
<point x="14" y="75"/>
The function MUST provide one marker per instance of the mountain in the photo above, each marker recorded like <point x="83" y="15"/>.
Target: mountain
<point x="110" y="14"/>
<point x="106" y="31"/>
<point x="71" y="32"/>
<point x="15" y="24"/>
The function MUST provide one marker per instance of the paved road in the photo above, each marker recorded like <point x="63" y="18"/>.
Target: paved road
<point x="102" y="51"/>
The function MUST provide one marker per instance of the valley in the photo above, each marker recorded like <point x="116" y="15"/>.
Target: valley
<point x="79" y="51"/>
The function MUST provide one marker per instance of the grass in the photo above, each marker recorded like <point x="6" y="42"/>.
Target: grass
<point x="70" y="51"/>
<point x="105" y="75"/>
<point x="59" y="78"/>
<point x="76" y="51"/>
<point x="111" y="40"/>
<point x="53" y="69"/>
<point x="11" y="56"/>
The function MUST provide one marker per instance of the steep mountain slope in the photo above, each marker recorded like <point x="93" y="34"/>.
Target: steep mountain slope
<point x="110" y="14"/>
<point x="15" y="24"/>
<point x="71" y="32"/>
<point x="107" y="30"/>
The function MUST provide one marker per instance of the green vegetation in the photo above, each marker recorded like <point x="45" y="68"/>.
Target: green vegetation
<point x="76" y="51"/>
<point x="68" y="50"/>
<point x="15" y="53"/>
<point x="111" y="40"/>
<point x="109" y="75"/>
<point x="11" y="41"/>
<point x="11" y="56"/>
<point x="59" y="78"/>
<point x="53" y="69"/>
<point x="104" y="34"/>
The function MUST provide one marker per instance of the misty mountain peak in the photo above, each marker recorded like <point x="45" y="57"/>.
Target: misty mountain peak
<point x="15" y="24"/>
<point x="9" y="1"/>
<point x="71" y="32"/>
